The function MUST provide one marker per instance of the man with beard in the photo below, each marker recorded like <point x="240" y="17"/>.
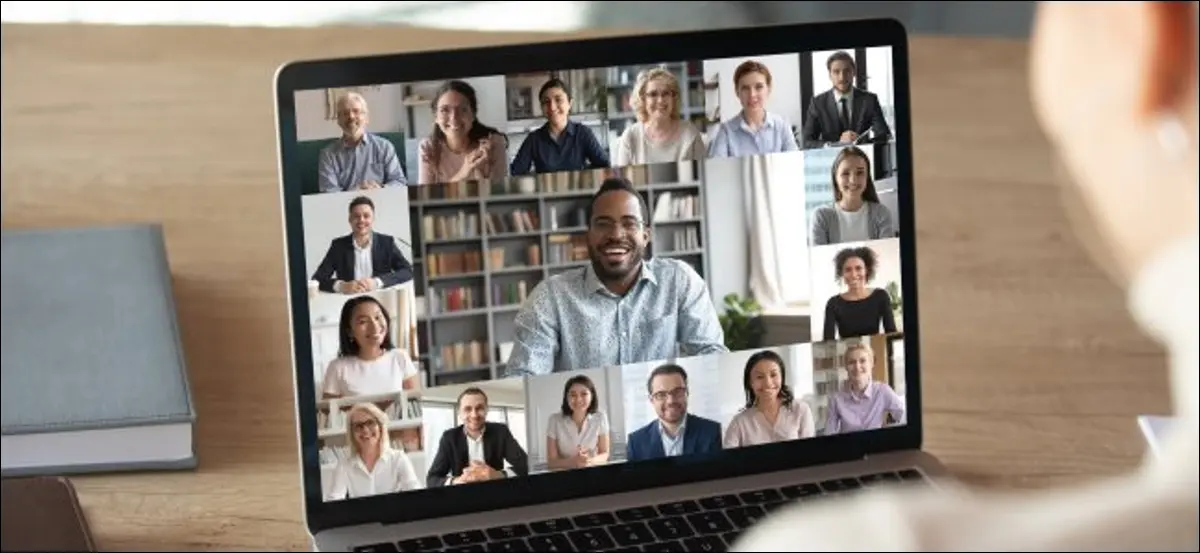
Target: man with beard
<point x="676" y="432"/>
<point x="843" y="114"/>
<point x="622" y="308"/>
<point x="363" y="260"/>
<point x="476" y="450"/>
<point x="358" y="160"/>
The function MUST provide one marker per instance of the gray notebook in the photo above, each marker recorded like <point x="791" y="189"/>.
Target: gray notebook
<point x="93" y="372"/>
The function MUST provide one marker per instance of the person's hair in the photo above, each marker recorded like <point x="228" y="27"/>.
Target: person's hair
<point x="586" y="382"/>
<point x="858" y="346"/>
<point x="478" y="130"/>
<point x="361" y="200"/>
<point x="344" y="98"/>
<point x="663" y="370"/>
<point x="471" y="391"/>
<point x="618" y="184"/>
<point x="869" y="194"/>
<point x="385" y="441"/>
<point x="750" y="66"/>
<point x="552" y="84"/>
<point x="841" y="55"/>
<point x="638" y="101"/>
<point x="867" y="255"/>
<point x="785" y="391"/>
<point x="347" y="347"/>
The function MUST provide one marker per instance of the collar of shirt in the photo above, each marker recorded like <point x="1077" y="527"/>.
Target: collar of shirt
<point x="385" y="455"/>
<point x="367" y="246"/>
<point x="849" y="97"/>
<point x="646" y="273"/>
<point x="477" y="438"/>
<point x="568" y="130"/>
<point x="769" y="122"/>
<point x="662" y="431"/>
<point x="866" y="393"/>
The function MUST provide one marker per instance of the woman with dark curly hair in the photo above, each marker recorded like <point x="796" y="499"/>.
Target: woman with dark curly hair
<point x="860" y="310"/>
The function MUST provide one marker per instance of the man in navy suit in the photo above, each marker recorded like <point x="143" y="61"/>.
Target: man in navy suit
<point x="363" y="260"/>
<point x="676" y="432"/>
<point x="845" y="113"/>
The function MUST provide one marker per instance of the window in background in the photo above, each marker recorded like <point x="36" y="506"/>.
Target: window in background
<point x="781" y="171"/>
<point x="879" y="81"/>
<point x="438" y="417"/>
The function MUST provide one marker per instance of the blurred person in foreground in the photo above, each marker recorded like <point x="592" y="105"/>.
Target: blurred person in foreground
<point x="1136" y="171"/>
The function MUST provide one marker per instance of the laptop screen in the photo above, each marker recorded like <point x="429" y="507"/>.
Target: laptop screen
<point x="518" y="274"/>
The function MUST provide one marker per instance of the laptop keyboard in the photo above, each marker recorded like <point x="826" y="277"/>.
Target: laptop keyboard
<point x="707" y="524"/>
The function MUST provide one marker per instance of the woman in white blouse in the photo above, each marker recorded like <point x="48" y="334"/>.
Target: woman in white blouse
<point x="373" y="466"/>
<point x="772" y="413"/>
<point x="367" y="363"/>
<point x="577" y="436"/>
<point x="660" y="134"/>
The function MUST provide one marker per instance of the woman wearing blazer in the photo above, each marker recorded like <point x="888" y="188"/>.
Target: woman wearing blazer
<point x="856" y="215"/>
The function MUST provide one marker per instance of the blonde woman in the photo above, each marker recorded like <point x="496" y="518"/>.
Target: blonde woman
<point x="660" y="134"/>
<point x="1136" y="172"/>
<point x="373" y="466"/>
<point x="863" y="403"/>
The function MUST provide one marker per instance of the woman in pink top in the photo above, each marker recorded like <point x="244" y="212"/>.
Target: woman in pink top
<point x="772" y="412"/>
<point x="460" y="148"/>
<point x="863" y="403"/>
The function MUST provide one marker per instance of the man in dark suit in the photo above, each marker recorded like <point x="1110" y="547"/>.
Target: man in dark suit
<point x="363" y="260"/>
<point x="675" y="432"/>
<point x="843" y="114"/>
<point x="476" y="450"/>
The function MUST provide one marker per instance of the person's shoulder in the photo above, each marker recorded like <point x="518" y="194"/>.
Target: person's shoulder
<point x="823" y="95"/>
<point x="378" y="141"/>
<point x="497" y="427"/>
<point x="448" y="434"/>
<point x="564" y="280"/>
<point x="824" y="210"/>
<point x="384" y="238"/>
<point x="642" y="432"/>
<point x="865" y="93"/>
<point x="671" y="267"/>
<point x="881" y="293"/>
<point x="700" y="422"/>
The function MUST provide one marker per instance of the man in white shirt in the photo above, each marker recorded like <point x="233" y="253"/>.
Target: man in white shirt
<point x="363" y="260"/>
<point x="476" y="450"/>
<point x="1136" y="169"/>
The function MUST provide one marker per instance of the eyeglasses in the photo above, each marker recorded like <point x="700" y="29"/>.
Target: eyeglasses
<point x="628" y="225"/>
<point x="363" y="425"/>
<point x="676" y="394"/>
<point x="663" y="94"/>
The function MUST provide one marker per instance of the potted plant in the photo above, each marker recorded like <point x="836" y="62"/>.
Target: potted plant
<point x="742" y="323"/>
<point x="893" y="290"/>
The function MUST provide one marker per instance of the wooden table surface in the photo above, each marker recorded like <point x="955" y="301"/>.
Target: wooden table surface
<point x="1033" y="370"/>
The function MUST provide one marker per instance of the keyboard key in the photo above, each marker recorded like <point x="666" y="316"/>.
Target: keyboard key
<point x="634" y="533"/>
<point x="774" y="505"/>
<point x="670" y="546"/>
<point x="428" y="543"/>
<point x="710" y="522"/>
<point x="509" y="532"/>
<point x="631" y="549"/>
<point x="911" y="474"/>
<point x="677" y="508"/>
<point x="840" y="485"/>
<point x="637" y="513"/>
<point x="378" y="547"/>
<point x="799" y="491"/>
<point x="710" y="544"/>
<point x="593" y="520"/>
<point x="671" y="528"/>
<point x="465" y="537"/>
<point x="552" y="526"/>
<point x="508" y="546"/>
<point x="743" y="517"/>
<point x="720" y="502"/>
<point x="761" y="496"/>
<point x="473" y="548"/>
<point x="550" y="542"/>
<point x="591" y="539"/>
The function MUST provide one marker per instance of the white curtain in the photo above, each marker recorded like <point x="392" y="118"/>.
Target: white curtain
<point x="773" y="186"/>
<point x="765" y="280"/>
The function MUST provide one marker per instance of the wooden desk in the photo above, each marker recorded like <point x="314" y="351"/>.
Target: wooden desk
<point x="1033" y="370"/>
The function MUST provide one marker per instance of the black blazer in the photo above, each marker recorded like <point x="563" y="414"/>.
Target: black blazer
<point x="822" y="123"/>
<point x="499" y="446"/>
<point x="388" y="264"/>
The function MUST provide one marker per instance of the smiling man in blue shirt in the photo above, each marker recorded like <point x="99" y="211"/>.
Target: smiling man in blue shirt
<point x="621" y="308"/>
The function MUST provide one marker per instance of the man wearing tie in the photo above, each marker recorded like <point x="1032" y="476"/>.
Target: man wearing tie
<point x="843" y="114"/>
<point x="675" y="432"/>
<point x="363" y="260"/>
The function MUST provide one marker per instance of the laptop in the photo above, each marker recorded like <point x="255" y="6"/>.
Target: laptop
<point x="627" y="293"/>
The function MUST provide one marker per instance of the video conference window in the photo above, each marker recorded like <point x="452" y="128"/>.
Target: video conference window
<point x="599" y="265"/>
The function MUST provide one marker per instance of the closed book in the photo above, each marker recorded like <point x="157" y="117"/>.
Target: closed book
<point x="93" y="372"/>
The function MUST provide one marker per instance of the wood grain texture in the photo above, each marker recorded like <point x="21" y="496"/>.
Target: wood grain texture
<point x="1033" y="371"/>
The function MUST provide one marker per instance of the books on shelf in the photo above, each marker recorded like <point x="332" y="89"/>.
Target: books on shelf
<point x="454" y="263"/>
<point x="462" y="355"/>
<point x="454" y="298"/>
<point x="449" y="227"/>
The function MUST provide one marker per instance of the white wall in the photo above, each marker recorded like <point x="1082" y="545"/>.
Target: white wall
<point x="785" y="85"/>
<point x="732" y="366"/>
<point x="726" y="228"/>
<point x="327" y="216"/>
<point x="825" y="285"/>
<point x="544" y="398"/>
<point x="384" y="104"/>
<point x="508" y="392"/>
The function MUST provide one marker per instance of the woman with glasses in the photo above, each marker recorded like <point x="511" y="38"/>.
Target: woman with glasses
<point x="659" y="135"/>
<point x="577" y="436"/>
<point x="371" y="466"/>
<point x="772" y="413"/>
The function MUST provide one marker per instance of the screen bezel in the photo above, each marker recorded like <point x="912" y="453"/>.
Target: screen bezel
<point x="574" y="54"/>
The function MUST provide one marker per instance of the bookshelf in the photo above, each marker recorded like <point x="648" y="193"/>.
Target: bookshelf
<point x="481" y="251"/>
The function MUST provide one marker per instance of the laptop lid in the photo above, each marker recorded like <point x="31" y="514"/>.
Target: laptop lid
<point x="741" y="298"/>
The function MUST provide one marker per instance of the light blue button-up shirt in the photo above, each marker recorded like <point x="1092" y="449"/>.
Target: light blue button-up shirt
<point x="735" y="138"/>
<point x="673" y="446"/>
<point x="572" y="322"/>
<point x="345" y="167"/>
